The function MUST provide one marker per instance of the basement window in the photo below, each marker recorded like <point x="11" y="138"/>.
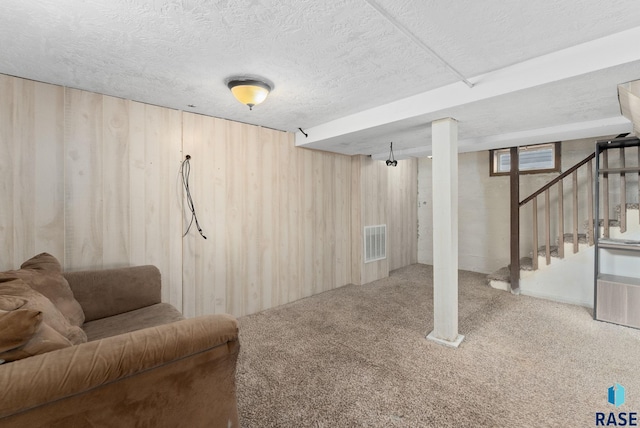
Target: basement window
<point x="534" y="159"/>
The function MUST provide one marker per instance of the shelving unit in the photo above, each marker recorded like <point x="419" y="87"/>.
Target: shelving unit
<point x="616" y="294"/>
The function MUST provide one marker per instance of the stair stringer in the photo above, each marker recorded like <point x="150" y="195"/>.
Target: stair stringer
<point x="568" y="280"/>
<point x="571" y="280"/>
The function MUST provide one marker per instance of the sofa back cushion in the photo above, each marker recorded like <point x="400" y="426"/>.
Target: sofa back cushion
<point x="43" y="273"/>
<point x="107" y="292"/>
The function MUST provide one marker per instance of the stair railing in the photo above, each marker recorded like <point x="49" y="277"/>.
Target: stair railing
<point x="546" y="189"/>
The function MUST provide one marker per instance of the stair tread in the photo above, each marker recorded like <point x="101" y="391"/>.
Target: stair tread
<point x="582" y="238"/>
<point x="526" y="263"/>
<point x="542" y="251"/>
<point x="504" y="273"/>
<point x="612" y="223"/>
<point x="630" y="206"/>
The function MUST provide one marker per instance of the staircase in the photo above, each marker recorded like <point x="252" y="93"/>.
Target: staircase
<point x="568" y="279"/>
<point x="562" y="269"/>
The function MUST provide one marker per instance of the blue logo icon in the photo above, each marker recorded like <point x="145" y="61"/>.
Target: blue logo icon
<point x="616" y="395"/>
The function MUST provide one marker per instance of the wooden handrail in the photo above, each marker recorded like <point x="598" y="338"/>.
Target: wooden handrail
<point x="573" y="171"/>
<point x="558" y="178"/>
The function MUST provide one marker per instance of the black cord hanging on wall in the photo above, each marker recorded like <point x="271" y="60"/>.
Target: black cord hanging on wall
<point x="185" y="170"/>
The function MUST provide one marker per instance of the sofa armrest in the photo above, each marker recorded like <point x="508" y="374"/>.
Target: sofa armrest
<point x="50" y="379"/>
<point x="107" y="292"/>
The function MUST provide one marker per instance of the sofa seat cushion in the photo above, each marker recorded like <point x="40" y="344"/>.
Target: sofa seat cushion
<point x="150" y="316"/>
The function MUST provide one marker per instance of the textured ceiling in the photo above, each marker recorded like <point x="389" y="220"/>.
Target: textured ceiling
<point x="326" y="59"/>
<point x="588" y="97"/>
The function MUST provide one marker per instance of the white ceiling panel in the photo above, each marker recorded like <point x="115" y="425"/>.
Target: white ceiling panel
<point x="327" y="60"/>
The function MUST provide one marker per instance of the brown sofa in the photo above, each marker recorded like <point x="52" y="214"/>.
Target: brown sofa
<point x="143" y="365"/>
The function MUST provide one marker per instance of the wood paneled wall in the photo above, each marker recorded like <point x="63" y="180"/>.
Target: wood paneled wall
<point x="90" y="179"/>
<point x="121" y="203"/>
<point x="369" y="184"/>
<point x="276" y="217"/>
<point x="31" y="170"/>
<point x="402" y="213"/>
<point x="384" y="195"/>
<point x="95" y="181"/>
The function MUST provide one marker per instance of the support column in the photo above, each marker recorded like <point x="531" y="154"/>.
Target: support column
<point x="445" y="232"/>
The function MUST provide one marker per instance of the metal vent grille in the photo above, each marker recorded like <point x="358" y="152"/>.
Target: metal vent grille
<point x="375" y="243"/>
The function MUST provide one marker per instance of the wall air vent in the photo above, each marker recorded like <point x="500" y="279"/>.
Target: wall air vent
<point x="375" y="243"/>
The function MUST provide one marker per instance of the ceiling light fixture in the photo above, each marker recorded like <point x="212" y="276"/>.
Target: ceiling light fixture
<point x="249" y="92"/>
<point x="391" y="161"/>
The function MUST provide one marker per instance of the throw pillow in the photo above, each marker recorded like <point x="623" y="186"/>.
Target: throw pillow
<point x="10" y="303"/>
<point x="23" y="334"/>
<point x="17" y="327"/>
<point x="12" y="289"/>
<point x="43" y="273"/>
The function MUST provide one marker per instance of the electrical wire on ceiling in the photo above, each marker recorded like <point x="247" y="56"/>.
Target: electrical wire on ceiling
<point x="417" y="41"/>
<point x="392" y="160"/>
<point x="185" y="170"/>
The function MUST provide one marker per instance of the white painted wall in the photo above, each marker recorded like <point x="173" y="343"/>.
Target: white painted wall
<point x="569" y="280"/>
<point x="483" y="212"/>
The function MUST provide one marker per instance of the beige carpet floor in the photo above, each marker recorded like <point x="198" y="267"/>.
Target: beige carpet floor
<point x="357" y="357"/>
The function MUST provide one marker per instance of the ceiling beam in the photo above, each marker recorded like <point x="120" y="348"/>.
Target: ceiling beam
<point x="599" y="54"/>
<point x="572" y="131"/>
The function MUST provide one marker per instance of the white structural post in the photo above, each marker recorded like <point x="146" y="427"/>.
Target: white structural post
<point x="445" y="232"/>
